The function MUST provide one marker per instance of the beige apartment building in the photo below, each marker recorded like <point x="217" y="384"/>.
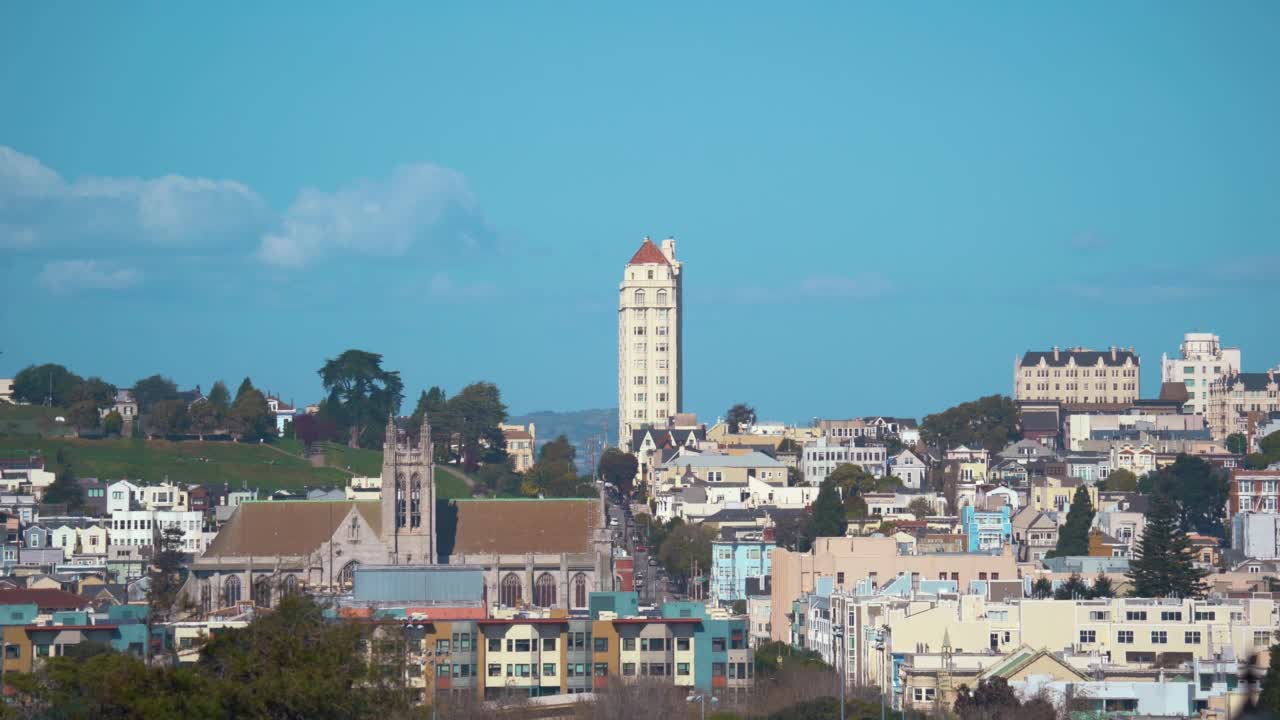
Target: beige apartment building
<point x="849" y="560"/>
<point x="1203" y="360"/>
<point x="1078" y="376"/>
<point x="649" y="339"/>
<point x="1235" y="397"/>
<point x="521" y="441"/>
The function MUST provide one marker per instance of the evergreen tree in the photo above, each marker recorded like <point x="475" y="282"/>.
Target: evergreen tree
<point x="1164" y="564"/>
<point x="1073" y="538"/>
<point x="1102" y="587"/>
<point x="1073" y="588"/>
<point x="245" y="386"/>
<point x="1042" y="589"/>
<point x="1269" y="698"/>
<point x="220" y="397"/>
<point x="829" y="519"/>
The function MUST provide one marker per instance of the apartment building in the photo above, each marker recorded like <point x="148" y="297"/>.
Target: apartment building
<point x="1235" y="397"/>
<point x="1255" y="491"/>
<point x="718" y="469"/>
<point x="735" y="558"/>
<point x="649" y="338"/>
<point x="1202" y="360"/>
<point x="144" y="528"/>
<point x="1078" y="376"/>
<point x="1051" y="494"/>
<point x="1256" y="535"/>
<point x="821" y="457"/>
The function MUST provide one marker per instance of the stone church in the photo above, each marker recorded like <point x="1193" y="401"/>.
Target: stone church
<point x="545" y="553"/>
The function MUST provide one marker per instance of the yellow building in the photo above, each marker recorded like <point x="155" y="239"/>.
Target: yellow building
<point x="1050" y="494"/>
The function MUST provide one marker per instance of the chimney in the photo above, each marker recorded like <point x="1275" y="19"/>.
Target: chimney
<point x="669" y="248"/>
<point x="1113" y="353"/>
<point x="1055" y="353"/>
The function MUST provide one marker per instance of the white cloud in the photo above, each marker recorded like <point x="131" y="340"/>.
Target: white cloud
<point x="419" y="205"/>
<point x="41" y="210"/>
<point x="67" y="276"/>
<point x="860" y="286"/>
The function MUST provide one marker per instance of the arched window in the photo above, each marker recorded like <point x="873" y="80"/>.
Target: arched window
<point x="415" y="501"/>
<point x="639" y="297"/>
<point x="579" y="590"/>
<point x="544" y="591"/>
<point x="347" y="576"/>
<point x="617" y="583"/>
<point x="509" y="590"/>
<point x="262" y="592"/>
<point x="206" y="597"/>
<point x="353" y="530"/>
<point x="400" y="501"/>
<point x="290" y="585"/>
<point x="231" y="591"/>
<point x="662" y="297"/>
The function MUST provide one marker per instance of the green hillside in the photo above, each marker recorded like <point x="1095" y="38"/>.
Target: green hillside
<point x="260" y="466"/>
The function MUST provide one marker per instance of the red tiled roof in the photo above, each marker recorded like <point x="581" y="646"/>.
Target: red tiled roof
<point x="45" y="599"/>
<point x="648" y="253"/>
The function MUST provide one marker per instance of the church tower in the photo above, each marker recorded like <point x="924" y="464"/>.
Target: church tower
<point x="650" y="335"/>
<point x="409" y="496"/>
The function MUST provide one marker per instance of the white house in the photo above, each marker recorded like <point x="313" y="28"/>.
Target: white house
<point x="165" y="496"/>
<point x="819" y="458"/>
<point x="121" y="496"/>
<point x="283" y="412"/>
<point x="141" y="528"/>
<point x="909" y="468"/>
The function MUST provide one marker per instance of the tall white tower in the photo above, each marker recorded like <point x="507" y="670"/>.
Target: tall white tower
<point x="650" y="318"/>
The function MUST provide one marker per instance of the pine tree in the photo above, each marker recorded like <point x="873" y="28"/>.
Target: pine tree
<point x="245" y="386"/>
<point x="1269" y="698"/>
<point x="1164" y="564"/>
<point x="1073" y="588"/>
<point x="1102" y="587"/>
<point x="829" y="518"/>
<point x="1073" y="538"/>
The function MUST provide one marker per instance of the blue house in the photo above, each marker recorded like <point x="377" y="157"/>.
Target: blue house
<point x="734" y="558"/>
<point x="986" y="530"/>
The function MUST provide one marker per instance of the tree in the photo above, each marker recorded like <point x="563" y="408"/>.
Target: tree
<point x="829" y="516"/>
<point x="990" y="422"/>
<point x="1198" y="489"/>
<point x="1122" y="480"/>
<point x="245" y="386"/>
<point x="1042" y="588"/>
<point x="921" y="508"/>
<point x="311" y="429"/>
<point x="1237" y="444"/>
<point x="83" y="415"/>
<point x="250" y="417"/>
<point x="169" y="417"/>
<point x="1163" y="565"/>
<point x="555" y="474"/>
<point x="852" y="479"/>
<point x="220" y="397"/>
<point x="363" y="394"/>
<point x="1073" y="538"/>
<point x="1073" y="588"/>
<point x="792" y="531"/>
<point x="619" y="468"/>
<point x="474" y="415"/>
<point x="499" y="479"/>
<point x="150" y="390"/>
<point x="1102" y="587"/>
<point x="166" y="575"/>
<point x="739" y="415"/>
<point x="94" y="390"/>
<point x="995" y="700"/>
<point x="112" y="423"/>
<point x="1269" y="697"/>
<point x="684" y="546"/>
<point x="65" y="488"/>
<point x="205" y="418"/>
<point x="38" y="384"/>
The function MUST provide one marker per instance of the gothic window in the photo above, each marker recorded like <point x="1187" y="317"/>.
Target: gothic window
<point x="662" y="297"/>
<point x="347" y="576"/>
<point x="231" y="591"/>
<point x="290" y="585"/>
<point x="544" y="591"/>
<point x="509" y="590"/>
<point x="415" y="501"/>
<point x="580" y="590"/>
<point x="400" y="501"/>
<point x="353" y="530"/>
<point x="206" y="597"/>
<point x="262" y="592"/>
<point x="640" y="297"/>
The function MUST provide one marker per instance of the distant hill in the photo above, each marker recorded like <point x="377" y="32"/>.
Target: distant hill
<point x="584" y="428"/>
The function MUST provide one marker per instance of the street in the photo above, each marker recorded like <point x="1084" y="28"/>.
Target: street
<point x="651" y="582"/>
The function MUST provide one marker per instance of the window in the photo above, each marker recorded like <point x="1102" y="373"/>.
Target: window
<point x="1262" y="638"/>
<point x="548" y="644"/>
<point x="262" y="592"/>
<point x="717" y="644"/>
<point x="578" y="641"/>
<point x="923" y="694"/>
<point x="639" y="297"/>
<point x="521" y="646"/>
<point x="662" y="297"/>
<point x="628" y="644"/>
<point x="231" y="591"/>
<point x="1088" y="637"/>
<point x="1192" y="637"/>
<point x="717" y="669"/>
<point x="1124" y="637"/>
<point x="1171" y="616"/>
<point x="495" y="644"/>
<point x="628" y="669"/>
<point x="544" y="591"/>
<point x="509" y="590"/>
<point x="495" y="670"/>
<point x="580" y="590"/>
<point x="1159" y="637"/>
<point x="682" y="644"/>
<point x="12" y="652"/>
<point x="1135" y="615"/>
<point x="600" y="644"/>
<point x="601" y="669"/>
<point x="442" y="645"/>
<point x="682" y="668"/>
<point x="1205" y="615"/>
<point x="548" y="669"/>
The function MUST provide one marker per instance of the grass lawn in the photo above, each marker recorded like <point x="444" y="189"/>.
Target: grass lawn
<point x="237" y="464"/>
<point x="32" y="420"/>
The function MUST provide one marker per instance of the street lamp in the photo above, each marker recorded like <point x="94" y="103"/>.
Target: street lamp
<point x="837" y="633"/>
<point x="702" y="698"/>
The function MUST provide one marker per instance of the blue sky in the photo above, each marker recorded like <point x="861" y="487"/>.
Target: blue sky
<point x="879" y="206"/>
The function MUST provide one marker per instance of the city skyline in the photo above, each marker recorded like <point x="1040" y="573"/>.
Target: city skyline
<point x="877" y="196"/>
